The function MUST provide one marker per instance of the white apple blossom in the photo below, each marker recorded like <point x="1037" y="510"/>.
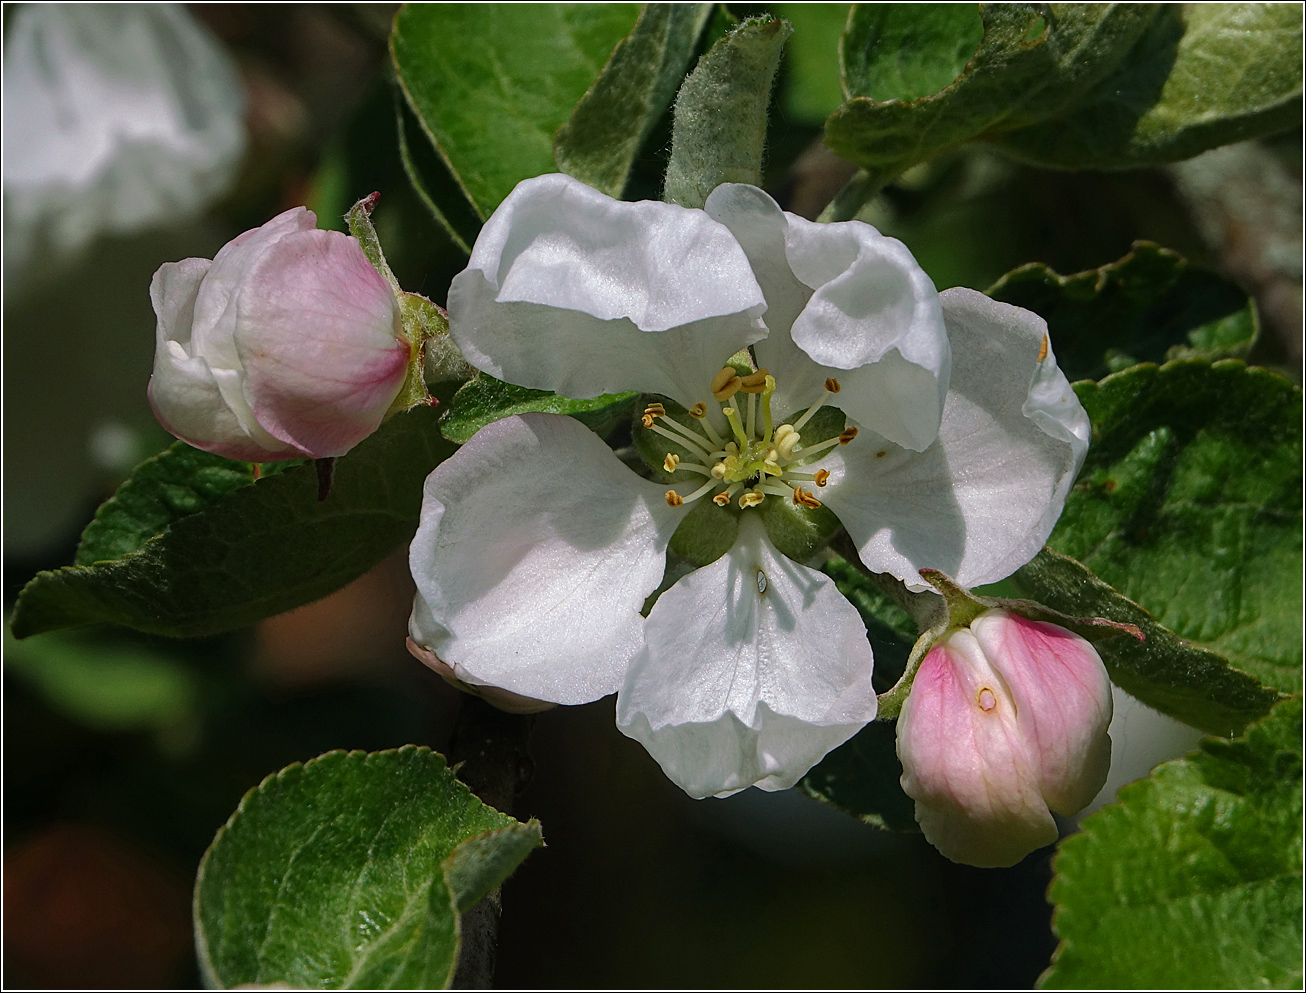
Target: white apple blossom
<point x="538" y="547"/>
<point x="117" y="117"/>
<point x="1006" y="723"/>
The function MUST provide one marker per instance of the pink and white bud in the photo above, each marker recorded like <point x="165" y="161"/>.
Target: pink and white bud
<point x="287" y="345"/>
<point x="1005" y="725"/>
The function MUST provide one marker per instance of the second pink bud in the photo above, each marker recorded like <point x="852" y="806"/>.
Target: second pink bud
<point x="1006" y="724"/>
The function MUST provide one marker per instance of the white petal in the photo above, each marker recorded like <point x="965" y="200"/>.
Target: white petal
<point x="843" y="301"/>
<point x="535" y="553"/>
<point x="754" y="668"/>
<point x="116" y="117"/>
<point x="183" y="390"/>
<point x="982" y="500"/>
<point x="571" y="291"/>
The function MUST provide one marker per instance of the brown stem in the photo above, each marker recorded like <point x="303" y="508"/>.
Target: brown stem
<point x="489" y="749"/>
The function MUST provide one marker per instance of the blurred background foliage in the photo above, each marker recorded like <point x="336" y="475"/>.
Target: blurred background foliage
<point x="124" y="753"/>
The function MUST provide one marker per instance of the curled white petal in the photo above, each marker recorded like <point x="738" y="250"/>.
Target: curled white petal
<point x="754" y="668"/>
<point x="982" y="500"/>
<point x="843" y="301"/>
<point x="571" y="291"/>
<point x="535" y="553"/>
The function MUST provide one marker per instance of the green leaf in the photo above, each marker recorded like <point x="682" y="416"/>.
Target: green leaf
<point x="892" y="52"/>
<point x="1190" y="503"/>
<point x="481" y="863"/>
<point x="487" y="399"/>
<point x="1194" y="684"/>
<point x="429" y="175"/>
<point x="491" y="83"/>
<point x="599" y="143"/>
<point x="1028" y="67"/>
<point x="813" y="92"/>
<point x="103" y="684"/>
<point x="861" y="777"/>
<point x="345" y="872"/>
<point x="720" y="117"/>
<point x="176" y="483"/>
<point x="1149" y="306"/>
<point x="261" y="550"/>
<point x="1193" y="879"/>
<point x="1204" y="74"/>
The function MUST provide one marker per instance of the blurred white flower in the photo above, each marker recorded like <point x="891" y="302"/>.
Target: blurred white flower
<point x="117" y="117"/>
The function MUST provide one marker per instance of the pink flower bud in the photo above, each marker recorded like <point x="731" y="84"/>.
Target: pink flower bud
<point x="1006" y="723"/>
<point x="288" y="344"/>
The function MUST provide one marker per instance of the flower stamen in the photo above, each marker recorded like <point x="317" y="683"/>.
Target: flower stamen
<point x="804" y="498"/>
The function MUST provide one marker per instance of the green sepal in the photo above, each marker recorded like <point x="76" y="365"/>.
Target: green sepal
<point x="706" y="533"/>
<point x="486" y="399"/>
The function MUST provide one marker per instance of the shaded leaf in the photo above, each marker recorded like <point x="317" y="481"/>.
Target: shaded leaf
<point x="481" y="863"/>
<point x="1189" y="682"/>
<point x="490" y="84"/>
<point x="599" y="143"/>
<point x="1028" y="67"/>
<point x="486" y="399"/>
<point x="1193" y="879"/>
<point x="260" y="550"/>
<point x="102" y="684"/>
<point x="862" y="775"/>
<point x="813" y="91"/>
<point x="1204" y="74"/>
<point x="332" y="874"/>
<point x="720" y="116"/>
<point x="1189" y="503"/>
<point x="1149" y="306"/>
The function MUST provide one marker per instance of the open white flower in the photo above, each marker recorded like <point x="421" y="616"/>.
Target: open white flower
<point x="538" y="547"/>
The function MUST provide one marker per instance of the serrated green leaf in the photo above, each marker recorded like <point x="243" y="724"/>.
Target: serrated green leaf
<point x="1193" y="879"/>
<point x="1189" y="503"/>
<point x="599" y="143"/>
<point x="1204" y="74"/>
<point x="492" y="83"/>
<point x="102" y="684"/>
<point x="861" y="777"/>
<point x="332" y="874"/>
<point x="260" y="550"/>
<point x="176" y="483"/>
<point x="1149" y="306"/>
<point x="720" y="115"/>
<point x="486" y="399"/>
<point x="1189" y="682"/>
<point x="481" y="863"/>
<point x="1032" y="63"/>
<point x="813" y="92"/>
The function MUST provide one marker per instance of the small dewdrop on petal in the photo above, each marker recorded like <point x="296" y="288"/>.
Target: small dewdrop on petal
<point x="674" y="499"/>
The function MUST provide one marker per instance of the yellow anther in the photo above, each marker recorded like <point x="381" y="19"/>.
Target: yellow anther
<point x="750" y="498"/>
<point x="698" y="410"/>
<point x="804" y="498"/>
<point x="721" y="499"/>
<point x="847" y="435"/>
<point x="754" y="382"/>
<point x="725" y="384"/>
<point x="647" y="420"/>
<point x="731" y="448"/>
<point x="670" y="462"/>
<point x="784" y="429"/>
<point x="785" y="446"/>
<point x="822" y="477"/>
<point x="674" y="499"/>
<point x="832" y="385"/>
<point x="656" y="410"/>
<point x="772" y="468"/>
<point x="718" y="471"/>
<point x="1043" y="348"/>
